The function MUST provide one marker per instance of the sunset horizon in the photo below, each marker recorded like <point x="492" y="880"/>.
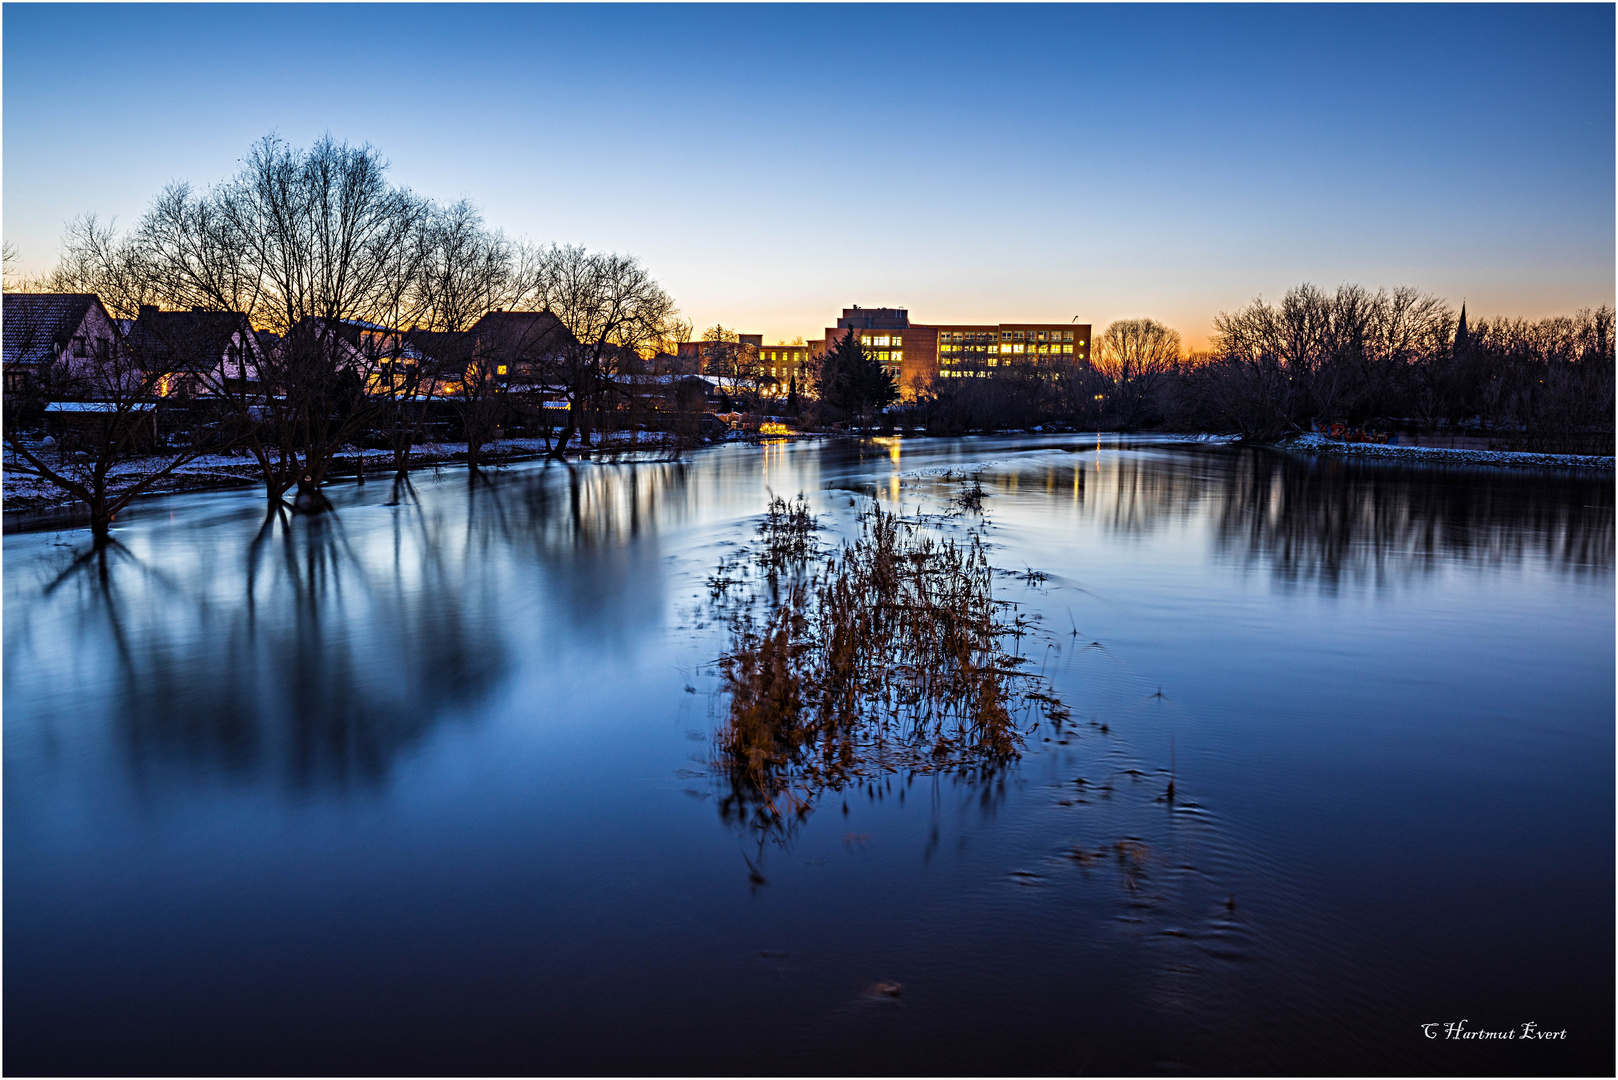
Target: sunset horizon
<point x="1101" y="163"/>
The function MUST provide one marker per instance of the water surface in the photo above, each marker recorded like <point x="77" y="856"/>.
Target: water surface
<point x="426" y="785"/>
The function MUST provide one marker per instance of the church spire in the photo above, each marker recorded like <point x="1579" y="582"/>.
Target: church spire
<point x="1461" y="338"/>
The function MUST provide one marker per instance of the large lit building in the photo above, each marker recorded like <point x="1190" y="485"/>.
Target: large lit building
<point x="919" y="356"/>
<point x="781" y="362"/>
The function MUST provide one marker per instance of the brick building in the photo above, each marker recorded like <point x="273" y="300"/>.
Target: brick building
<point x="918" y="355"/>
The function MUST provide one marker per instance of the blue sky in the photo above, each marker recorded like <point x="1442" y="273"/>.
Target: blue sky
<point x="773" y="164"/>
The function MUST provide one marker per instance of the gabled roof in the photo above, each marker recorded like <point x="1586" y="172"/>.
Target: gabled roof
<point x="38" y="325"/>
<point x="522" y="334"/>
<point x="438" y="345"/>
<point x="186" y="340"/>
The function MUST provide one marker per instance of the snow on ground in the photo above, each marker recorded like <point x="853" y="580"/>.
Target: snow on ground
<point x="1319" y="444"/>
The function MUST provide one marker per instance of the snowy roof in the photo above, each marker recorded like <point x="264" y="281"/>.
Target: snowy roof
<point x="97" y="407"/>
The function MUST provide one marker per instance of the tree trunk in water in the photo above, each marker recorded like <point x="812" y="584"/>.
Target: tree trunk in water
<point x="310" y="500"/>
<point x="561" y="441"/>
<point x="100" y="524"/>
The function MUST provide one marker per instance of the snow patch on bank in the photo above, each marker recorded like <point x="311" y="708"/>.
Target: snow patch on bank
<point x="1318" y="444"/>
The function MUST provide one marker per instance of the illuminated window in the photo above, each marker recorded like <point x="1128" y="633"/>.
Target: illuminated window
<point x="1067" y="348"/>
<point x="501" y="370"/>
<point x="897" y="356"/>
<point x="1067" y="335"/>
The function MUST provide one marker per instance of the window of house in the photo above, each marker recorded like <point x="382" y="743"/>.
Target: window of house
<point x="501" y="370"/>
<point x="897" y="356"/>
<point x="81" y="347"/>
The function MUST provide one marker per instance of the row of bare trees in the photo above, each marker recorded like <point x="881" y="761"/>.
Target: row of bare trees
<point x="1349" y="354"/>
<point x="1401" y="355"/>
<point x="360" y="298"/>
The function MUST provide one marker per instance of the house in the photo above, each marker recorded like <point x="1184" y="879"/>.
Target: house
<point x="42" y="330"/>
<point x="519" y="347"/>
<point x="380" y="355"/>
<point x="199" y="352"/>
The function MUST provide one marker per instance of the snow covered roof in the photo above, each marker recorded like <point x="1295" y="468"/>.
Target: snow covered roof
<point x="97" y="407"/>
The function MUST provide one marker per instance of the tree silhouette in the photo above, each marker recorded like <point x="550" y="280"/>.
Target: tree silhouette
<point x="853" y="381"/>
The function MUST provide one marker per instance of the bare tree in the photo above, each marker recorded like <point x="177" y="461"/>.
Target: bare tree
<point x="466" y="271"/>
<point x="734" y="364"/>
<point x="313" y="246"/>
<point x="613" y="308"/>
<point x="1136" y="355"/>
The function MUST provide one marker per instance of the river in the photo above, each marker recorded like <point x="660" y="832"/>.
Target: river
<point x="428" y="784"/>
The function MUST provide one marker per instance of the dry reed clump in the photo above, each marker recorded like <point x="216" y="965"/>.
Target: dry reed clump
<point x="891" y="654"/>
<point x="969" y="499"/>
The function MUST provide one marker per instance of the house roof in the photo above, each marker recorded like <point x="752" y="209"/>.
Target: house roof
<point x="38" y="325"/>
<point x="522" y="334"/>
<point x="434" y="344"/>
<point x="187" y="340"/>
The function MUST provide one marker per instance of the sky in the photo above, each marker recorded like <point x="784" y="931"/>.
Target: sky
<point x="771" y="165"/>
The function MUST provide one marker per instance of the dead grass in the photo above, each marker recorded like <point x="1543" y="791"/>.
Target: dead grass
<point x="889" y="654"/>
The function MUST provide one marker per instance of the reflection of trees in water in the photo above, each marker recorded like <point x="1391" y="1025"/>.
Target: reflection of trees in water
<point x="318" y="650"/>
<point x="591" y="529"/>
<point x="305" y="659"/>
<point x="1329" y="520"/>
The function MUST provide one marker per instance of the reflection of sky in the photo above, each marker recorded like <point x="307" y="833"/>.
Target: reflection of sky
<point x="977" y="163"/>
<point x="371" y="625"/>
<point x="489" y="798"/>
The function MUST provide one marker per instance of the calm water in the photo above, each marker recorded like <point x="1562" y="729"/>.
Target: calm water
<point x="425" y="786"/>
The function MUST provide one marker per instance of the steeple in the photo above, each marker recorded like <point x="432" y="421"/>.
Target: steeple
<point x="1461" y="338"/>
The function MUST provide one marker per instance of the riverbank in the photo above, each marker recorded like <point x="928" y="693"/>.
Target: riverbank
<point x="1319" y="444"/>
<point x="30" y="501"/>
<point x="30" y="494"/>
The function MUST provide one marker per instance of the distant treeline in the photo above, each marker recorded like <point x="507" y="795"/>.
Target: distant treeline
<point x="1390" y="358"/>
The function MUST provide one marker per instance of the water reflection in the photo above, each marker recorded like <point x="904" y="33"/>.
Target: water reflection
<point x="417" y="781"/>
<point x="318" y="651"/>
<point x="1328" y="521"/>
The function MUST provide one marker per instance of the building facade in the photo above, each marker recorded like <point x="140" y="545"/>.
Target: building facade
<point x="923" y="357"/>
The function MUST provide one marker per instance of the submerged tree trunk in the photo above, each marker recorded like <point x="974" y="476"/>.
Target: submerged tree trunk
<point x="562" y="439"/>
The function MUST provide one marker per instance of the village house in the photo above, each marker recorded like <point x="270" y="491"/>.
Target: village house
<point x="71" y="331"/>
<point x="521" y="347"/>
<point x="199" y="352"/>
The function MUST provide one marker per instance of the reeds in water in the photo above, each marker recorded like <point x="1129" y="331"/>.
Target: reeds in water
<point x="891" y="654"/>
